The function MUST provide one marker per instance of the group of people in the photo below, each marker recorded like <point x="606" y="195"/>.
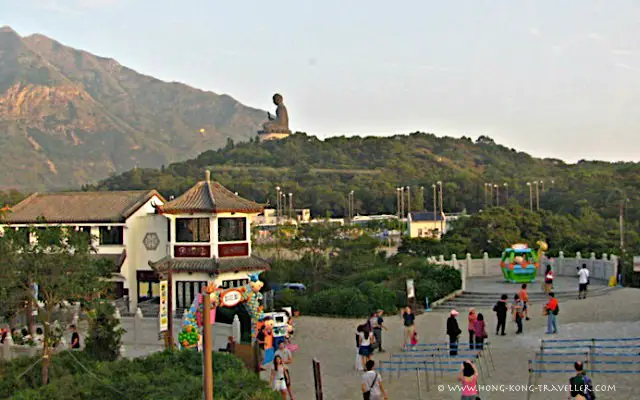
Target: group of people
<point x="369" y="338"/>
<point x="25" y="338"/>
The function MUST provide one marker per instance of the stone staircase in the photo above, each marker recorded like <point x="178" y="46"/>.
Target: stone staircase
<point x="485" y="301"/>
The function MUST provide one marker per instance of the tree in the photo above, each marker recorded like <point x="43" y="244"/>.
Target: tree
<point x="105" y="334"/>
<point x="55" y="268"/>
<point x="315" y="241"/>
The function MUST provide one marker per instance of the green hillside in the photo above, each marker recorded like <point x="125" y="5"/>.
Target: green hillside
<point x="320" y="174"/>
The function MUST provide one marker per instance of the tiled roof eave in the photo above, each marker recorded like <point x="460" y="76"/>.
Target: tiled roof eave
<point x="246" y="210"/>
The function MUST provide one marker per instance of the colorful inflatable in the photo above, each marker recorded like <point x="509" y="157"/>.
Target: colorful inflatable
<point x="249" y="295"/>
<point x="520" y="263"/>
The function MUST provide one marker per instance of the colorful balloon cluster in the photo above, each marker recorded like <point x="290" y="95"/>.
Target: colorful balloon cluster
<point x="189" y="336"/>
<point x="251" y="297"/>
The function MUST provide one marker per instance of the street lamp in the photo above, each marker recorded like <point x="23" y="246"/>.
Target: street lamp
<point x="277" y="205"/>
<point x="530" y="196"/>
<point x="408" y="200"/>
<point x="506" y="191"/>
<point x="497" y="194"/>
<point x="435" y="197"/>
<point x="537" y="195"/>
<point x="290" y="205"/>
<point x="441" y="209"/>
<point x="422" y="196"/>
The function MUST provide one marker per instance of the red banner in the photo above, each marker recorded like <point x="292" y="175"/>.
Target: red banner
<point x="233" y="250"/>
<point x="192" y="251"/>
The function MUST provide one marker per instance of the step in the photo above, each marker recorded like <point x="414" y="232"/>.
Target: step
<point x="461" y="302"/>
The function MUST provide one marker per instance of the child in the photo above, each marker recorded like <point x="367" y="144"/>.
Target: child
<point x="472" y="328"/>
<point x="480" y="331"/>
<point x="414" y="339"/>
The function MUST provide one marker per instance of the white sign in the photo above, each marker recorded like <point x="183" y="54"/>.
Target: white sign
<point x="231" y="298"/>
<point x="636" y="264"/>
<point x="164" y="306"/>
<point x="410" y="289"/>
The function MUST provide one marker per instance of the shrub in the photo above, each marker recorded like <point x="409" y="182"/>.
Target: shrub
<point x="166" y="375"/>
<point x="344" y="302"/>
<point x="105" y="334"/>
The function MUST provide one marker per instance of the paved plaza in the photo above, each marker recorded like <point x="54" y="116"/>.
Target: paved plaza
<point x="331" y="341"/>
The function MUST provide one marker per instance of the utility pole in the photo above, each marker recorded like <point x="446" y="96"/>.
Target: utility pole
<point x="530" y="196"/>
<point x="537" y="195"/>
<point x="398" y="203"/>
<point x="408" y="200"/>
<point x="497" y="195"/>
<point x="441" y="210"/>
<point x="422" y="196"/>
<point x="506" y="191"/>
<point x="207" y="343"/>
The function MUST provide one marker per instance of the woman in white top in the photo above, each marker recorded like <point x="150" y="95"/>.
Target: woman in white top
<point x="278" y="376"/>
<point x="366" y="344"/>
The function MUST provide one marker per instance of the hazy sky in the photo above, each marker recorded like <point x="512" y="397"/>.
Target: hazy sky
<point x="554" y="78"/>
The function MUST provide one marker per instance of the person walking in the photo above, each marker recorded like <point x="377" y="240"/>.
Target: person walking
<point x="366" y="344"/>
<point x="472" y="327"/>
<point x="371" y="384"/>
<point x="552" y="309"/>
<point x="377" y="322"/>
<point x="279" y="376"/>
<point x="580" y="385"/>
<point x="548" y="279"/>
<point x="516" y="310"/>
<point x="524" y="297"/>
<point x="583" y="281"/>
<point x="480" y="331"/>
<point x="468" y="377"/>
<point x="408" y="319"/>
<point x="501" y="310"/>
<point x="453" y="331"/>
<point x="287" y="358"/>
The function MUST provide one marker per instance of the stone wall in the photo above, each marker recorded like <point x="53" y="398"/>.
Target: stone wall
<point x="602" y="268"/>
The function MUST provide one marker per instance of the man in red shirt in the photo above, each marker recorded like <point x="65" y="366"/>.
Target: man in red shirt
<point x="524" y="297"/>
<point x="552" y="309"/>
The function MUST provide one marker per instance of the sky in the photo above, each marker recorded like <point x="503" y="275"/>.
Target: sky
<point x="554" y="78"/>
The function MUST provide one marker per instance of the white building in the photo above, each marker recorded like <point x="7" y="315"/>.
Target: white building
<point x="202" y="236"/>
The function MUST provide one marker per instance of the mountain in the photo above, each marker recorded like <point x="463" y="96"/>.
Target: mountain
<point x="68" y="117"/>
<point x="321" y="173"/>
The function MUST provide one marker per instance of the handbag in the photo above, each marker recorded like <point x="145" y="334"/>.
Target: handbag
<point x="367" y="395"/>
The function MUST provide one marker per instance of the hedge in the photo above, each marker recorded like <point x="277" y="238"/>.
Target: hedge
<point x="165" y="375"/>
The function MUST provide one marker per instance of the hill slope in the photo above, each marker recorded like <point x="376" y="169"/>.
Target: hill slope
<point x="320" y="174"/>
<point x="68" y="117"/>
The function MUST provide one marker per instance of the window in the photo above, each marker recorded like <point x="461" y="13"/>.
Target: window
<point x="44" y="238"/>
<point x="232" y="229"/>
<point x="111" y="235"/>
<point x="168" y="231"/>
<point x="22" y="236"/>
<point x="420" y="232"/>
<point x="192" y="230"/>
<point x="234" y="283"/>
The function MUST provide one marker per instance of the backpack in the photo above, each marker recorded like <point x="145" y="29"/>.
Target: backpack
<point x="557" y="310"/>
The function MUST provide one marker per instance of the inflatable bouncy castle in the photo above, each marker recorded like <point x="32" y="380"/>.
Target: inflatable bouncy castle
<point x="520" y="263"/>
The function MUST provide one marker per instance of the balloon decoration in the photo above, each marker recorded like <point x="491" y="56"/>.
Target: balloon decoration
<point x="249" y="295"/>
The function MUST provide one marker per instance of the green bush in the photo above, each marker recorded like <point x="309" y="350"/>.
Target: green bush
<point x="343" y="302"/>
<point x="105" y="333"/>
<point x="166" y="375"/>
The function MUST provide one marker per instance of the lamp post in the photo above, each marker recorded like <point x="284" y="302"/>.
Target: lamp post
<point x="435" y="197"/>
<point x="441" y="209"/>
<point x="486" y="197"/>
<point x="398" y="203"/>
<point x="537" y="195"/>
<point x="422" y="197"/>
<point x="290" y="205"/>
<point x="506" y="192"/>
<point x="408" y="200"/>
<point x="530" y="196"/>
<point x="497" y="195"/>
<point x="542" y="185"/>
<point x="277" y="205"/>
